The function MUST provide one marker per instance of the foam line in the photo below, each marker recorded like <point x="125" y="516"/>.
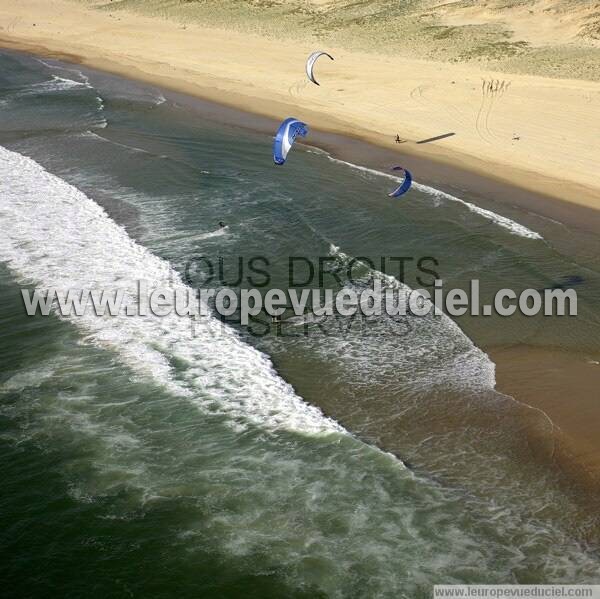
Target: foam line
<point x="56" y="236"/>
<point x="502" y="221"/>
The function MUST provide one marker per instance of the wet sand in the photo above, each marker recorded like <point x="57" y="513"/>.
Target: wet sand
<point x="566" y="387"/>
<point x="527" y="139"/>
<point x="561" y="384"/>
<point x="538" y="377"/>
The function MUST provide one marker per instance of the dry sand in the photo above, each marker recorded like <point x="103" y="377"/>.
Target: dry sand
<point x="538" y="133"/>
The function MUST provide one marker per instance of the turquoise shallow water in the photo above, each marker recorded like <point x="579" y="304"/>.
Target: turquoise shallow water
<point x="141" y="460"/>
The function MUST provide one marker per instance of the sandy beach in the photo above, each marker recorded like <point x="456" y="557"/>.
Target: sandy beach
<point x="299" y="456"/>
<point x="518" y="145"/>
<point x="536" y="133"/>
<point x="564" y="385"/>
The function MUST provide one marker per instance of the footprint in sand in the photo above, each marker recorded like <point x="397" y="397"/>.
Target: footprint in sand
<point x="491" y="91"/>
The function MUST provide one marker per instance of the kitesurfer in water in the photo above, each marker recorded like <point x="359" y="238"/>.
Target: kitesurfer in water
<point x="222" y="224"/>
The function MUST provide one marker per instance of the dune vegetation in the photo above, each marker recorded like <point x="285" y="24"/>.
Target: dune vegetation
<point x="553" y="38"/>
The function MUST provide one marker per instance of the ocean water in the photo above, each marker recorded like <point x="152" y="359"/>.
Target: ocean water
<point x="147" y="456"/>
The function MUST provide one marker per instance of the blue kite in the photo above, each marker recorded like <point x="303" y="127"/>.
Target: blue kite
<point x="404" y="186"/>
<point x="286" y="135"/>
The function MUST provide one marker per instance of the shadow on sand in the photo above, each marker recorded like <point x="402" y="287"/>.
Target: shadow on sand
<point x="436" y="138"/>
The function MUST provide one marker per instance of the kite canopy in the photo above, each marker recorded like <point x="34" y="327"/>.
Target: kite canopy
<point x="310" y="63"/>
<point x="285" y="137"/>
<point x="404" y="186"/>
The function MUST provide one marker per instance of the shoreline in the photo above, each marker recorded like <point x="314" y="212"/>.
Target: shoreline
<point x="563" y="385"/>
<point x="577" y="458"/>
<point x="580" y="461"/>
<point x="358" y="149"/>
<point x="495" y="168"/>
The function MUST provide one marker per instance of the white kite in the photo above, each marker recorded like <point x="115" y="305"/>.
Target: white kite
<point x="310" y="63"/>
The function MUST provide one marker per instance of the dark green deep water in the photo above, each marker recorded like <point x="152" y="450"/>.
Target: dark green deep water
<point x="139" y="460"/>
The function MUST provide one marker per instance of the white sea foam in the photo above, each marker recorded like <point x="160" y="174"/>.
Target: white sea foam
<point x="413" y="353"/>
<point x="502" y="221"/>
<point x="217" y="233"/>
<point x="94" y="135"/>
<point x="70" y="83"/>
<point x="33" y="377"/>
<point x="56" y="84"/>
<point x="85" y="79"/>
<point x="435" y="351"/>
<point x="59" y="84"/>
<point x="56" y="236"/>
